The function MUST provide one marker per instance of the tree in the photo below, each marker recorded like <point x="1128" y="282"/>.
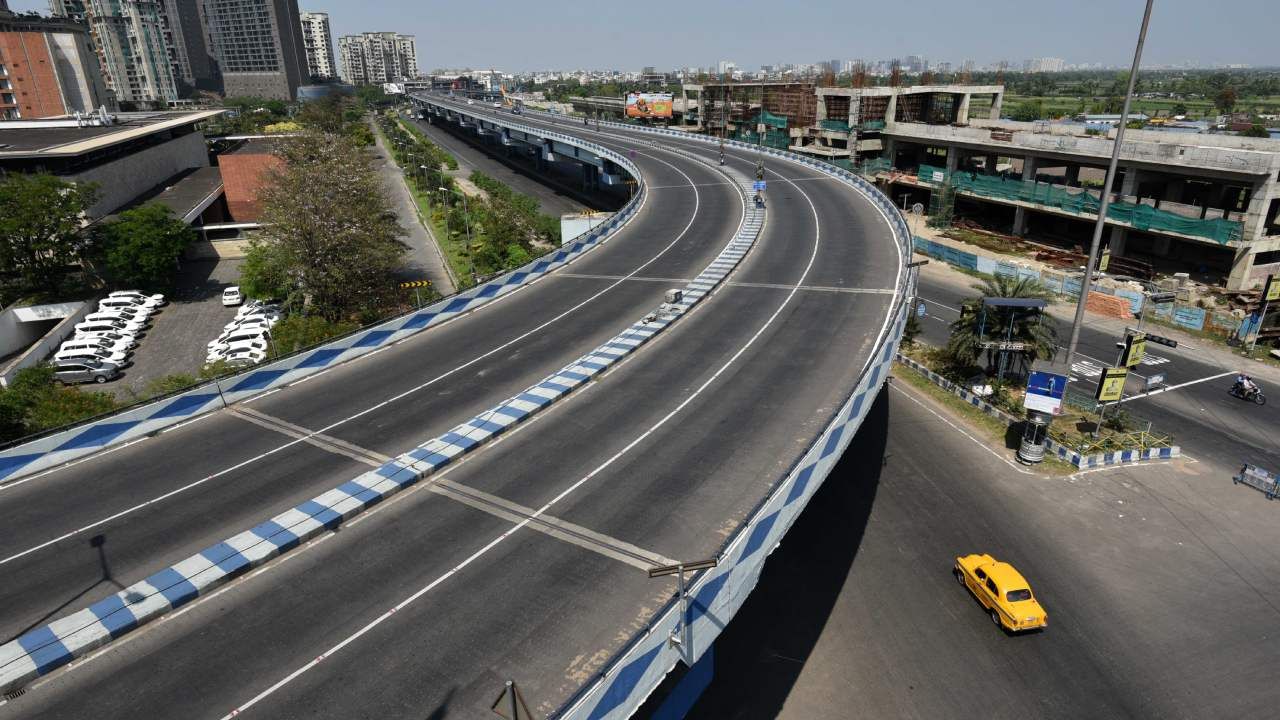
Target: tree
<point x="40" y="227"/>
<point x="264" y="275"/>
<point x="1027" y="111"/>
<point x="978" y="323"/>
<point x="1256" y="131"/>
<point x="325" y="211"/>
<point x="1179" y="109"/>
<point x="142" y="246"/>
<point x="1225" y="100"/>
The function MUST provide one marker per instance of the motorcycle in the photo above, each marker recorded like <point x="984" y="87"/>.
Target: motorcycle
<point x="1253" y="394"/>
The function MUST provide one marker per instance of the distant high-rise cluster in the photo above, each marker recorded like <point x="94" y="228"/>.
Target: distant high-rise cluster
<point x="1043" y="65"/>
<point x="377" y="57"/>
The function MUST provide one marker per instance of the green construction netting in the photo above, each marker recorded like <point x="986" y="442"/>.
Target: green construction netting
<point x="838" y="125"/>
<point x="873" y="125"/>
<point x="772" y="138"/>
<point x="767" y="118"/>
<point x="1142" y="217"/>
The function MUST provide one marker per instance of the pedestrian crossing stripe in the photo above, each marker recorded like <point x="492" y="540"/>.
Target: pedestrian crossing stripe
<point x="1154" y="360"/>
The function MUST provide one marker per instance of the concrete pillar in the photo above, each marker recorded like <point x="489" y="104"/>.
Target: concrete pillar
<point x="1073" y="175"/>
<point x="953" y="160"/>
<point x="684" y="94"/>
<point x="1129" y="185"/>
<point x="962" y="110"/>
<point x="1029" y="165"/>
<point x="1255" y="213"/>
<point x="1241" y="269"/>
<point x="992" y="162"/>
<point x="891" y="112"/>
<point x="997" y="103"/>
<point x="1117" y="240"/>
<point x="891" y="151"/>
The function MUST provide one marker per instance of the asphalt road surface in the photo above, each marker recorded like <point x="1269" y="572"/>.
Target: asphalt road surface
<point x="1162" y="585"/>
<point x="423" y="607"/>
<point x="1203" y="419"/>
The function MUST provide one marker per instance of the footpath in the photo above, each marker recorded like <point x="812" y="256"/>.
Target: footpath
<point x="425" y="257"/>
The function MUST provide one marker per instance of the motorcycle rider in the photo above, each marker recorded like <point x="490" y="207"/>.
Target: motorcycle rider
<point x="1245" y="385"/>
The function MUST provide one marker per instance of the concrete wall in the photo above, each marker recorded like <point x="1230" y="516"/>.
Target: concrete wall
<point x="124" y="179"/>
<point x="11" y="329"/>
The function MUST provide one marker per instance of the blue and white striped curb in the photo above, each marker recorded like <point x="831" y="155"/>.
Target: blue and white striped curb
<point x="82" y="440"/>
<point x="716" y="594"/>
<point x="1084" y="462"/>
<point x="46" y="648"/>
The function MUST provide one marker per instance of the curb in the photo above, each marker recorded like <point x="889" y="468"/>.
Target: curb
<point x="46" y="648"/>
<point x="1082" y="462"/>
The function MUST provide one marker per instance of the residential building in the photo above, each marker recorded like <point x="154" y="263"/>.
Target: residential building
<point x="378" y="57"/>
<point x="184" y="37"/>
<point x="258" y="46"/>
<point x="319" y="45"/>
<point x="48" y="68"/>
<point x="129" y="38"/>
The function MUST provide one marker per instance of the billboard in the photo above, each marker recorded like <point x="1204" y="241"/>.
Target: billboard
<point x="1044" y="392"/>
<point x="648" y="105"/>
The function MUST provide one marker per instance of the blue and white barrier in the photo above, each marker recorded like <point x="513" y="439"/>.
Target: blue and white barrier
<point x="51" y="646"/>
<point x="129" y="424"/>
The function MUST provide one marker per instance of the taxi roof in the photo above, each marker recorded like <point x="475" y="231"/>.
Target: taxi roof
<point x="1006" y="576"/>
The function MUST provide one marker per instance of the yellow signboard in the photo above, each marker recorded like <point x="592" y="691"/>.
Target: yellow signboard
<point x="1135" y="348"/>
<point x="1271" y="292"/>
<point x="1105" y="261"/>
<point x="1111" y="384"/>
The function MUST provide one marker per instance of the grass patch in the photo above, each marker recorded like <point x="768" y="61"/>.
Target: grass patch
<point x="988" y="428"/>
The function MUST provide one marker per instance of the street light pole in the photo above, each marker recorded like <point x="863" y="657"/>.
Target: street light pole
<point x="466" y="216"/>
<point x="1100" y="225"/>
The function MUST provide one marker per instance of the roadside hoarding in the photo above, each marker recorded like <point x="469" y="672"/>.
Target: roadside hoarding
<point x="1044" y="392"/>
<point x="1135" y="348"/>
<point x="1111" y="384"/>
<point x="649" y="105"/>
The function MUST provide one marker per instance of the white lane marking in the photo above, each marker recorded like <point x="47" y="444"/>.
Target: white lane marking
<point x="1154" y="360"/>
<point x="563" y="494"/>
<point x="97" y="523"/>
<point x="1166" y="389"/>
<point x="962" y="431"/>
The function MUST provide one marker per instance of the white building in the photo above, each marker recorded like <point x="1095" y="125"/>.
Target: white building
<point x="129" y="38"/>
<point x="377" y="57"/>
<point x="319" y="45"/>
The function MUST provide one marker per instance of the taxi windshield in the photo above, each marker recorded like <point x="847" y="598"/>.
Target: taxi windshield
<point x="1018" y="595"/>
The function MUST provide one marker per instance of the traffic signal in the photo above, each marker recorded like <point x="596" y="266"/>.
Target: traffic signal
<point x="1167" y="342"/>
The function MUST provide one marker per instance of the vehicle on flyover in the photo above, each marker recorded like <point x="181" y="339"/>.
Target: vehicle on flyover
<point x="1002" y="591"/>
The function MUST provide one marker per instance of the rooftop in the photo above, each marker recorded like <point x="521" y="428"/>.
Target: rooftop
<point x="61" y="137"/>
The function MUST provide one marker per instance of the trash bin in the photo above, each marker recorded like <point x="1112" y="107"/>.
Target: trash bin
<point x="1031" y="450"/>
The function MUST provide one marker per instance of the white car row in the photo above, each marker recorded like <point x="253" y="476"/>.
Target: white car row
<point x="105" y="339"/>
<point x="246" y="339"/>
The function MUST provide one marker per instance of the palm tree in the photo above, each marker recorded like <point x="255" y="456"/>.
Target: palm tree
<point x="978" y="323"/>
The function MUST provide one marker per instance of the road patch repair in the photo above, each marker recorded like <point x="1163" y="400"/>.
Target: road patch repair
<point x="46" y="648"/>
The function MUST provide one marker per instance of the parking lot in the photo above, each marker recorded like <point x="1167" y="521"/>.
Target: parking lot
<point x="176" y="342"/>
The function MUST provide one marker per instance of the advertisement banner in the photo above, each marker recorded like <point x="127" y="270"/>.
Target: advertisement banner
<point x="649" y="105"/>
<point x="1044" y="392"/>
<point x="1111" y="384"/>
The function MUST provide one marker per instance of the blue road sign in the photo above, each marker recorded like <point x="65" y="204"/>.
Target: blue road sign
<point x="1045" y="392"/>
<point x="920" y="310"/>
<point x="758" y="186"/>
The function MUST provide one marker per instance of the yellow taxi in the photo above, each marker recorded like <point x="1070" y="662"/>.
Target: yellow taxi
<point x="1002" y="591"/>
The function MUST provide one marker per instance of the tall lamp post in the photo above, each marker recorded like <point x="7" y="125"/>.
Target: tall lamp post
<point x="1105" y="201"/>
<point x="466" y="216"/>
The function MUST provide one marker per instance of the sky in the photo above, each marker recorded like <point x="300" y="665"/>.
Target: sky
<point x="572" y="34"/>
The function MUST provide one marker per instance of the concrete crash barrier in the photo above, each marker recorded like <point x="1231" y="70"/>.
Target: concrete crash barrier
<point x="137" y="422"/>
<point x="46" y="648"/>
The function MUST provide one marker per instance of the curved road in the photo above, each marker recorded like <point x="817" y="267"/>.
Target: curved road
<point x="428" y="603"/>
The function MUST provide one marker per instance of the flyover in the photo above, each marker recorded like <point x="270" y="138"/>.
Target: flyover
<point x="521" y="560"/>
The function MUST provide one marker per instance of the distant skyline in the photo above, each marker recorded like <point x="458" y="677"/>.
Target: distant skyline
<point x="667" y="35"/>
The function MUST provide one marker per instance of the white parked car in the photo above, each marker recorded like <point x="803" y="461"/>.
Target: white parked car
<point x="104" y="344"/>
<point x="255" y="306"/>
<point x="244" y="356"/>
<point x="113" y="325"/>
<point x="119" y="359"/>
<point x="112" y="304"/>
<point x="228" y="339"/>
<point x="127" y="322"/>
<point x="126" y="314"/>
<point x="148" y="300"/>
<point x="110" y="335"/>
<point x="265" y="322"/>
<point x="221" y="352"/>
<point x="232" y="296"/>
